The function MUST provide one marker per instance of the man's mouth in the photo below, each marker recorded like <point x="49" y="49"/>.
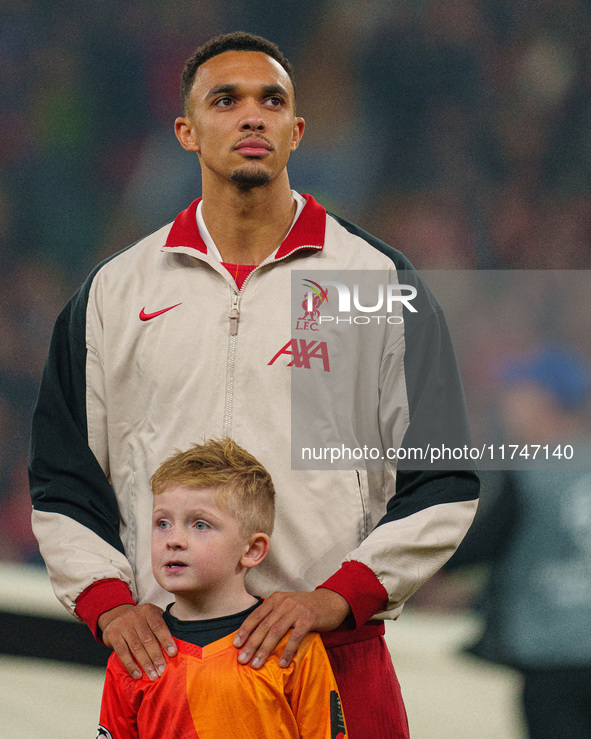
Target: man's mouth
<point x="252" y="147"/>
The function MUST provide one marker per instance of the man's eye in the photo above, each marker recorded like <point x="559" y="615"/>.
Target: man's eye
<point x="275" y="101"/>
<point x="224" y="102"/>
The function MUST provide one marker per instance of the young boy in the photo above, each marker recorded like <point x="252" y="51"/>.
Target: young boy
<point x="214" y="507"/>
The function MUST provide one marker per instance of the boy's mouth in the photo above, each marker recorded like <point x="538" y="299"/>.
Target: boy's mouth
<point x="175" y="565"/>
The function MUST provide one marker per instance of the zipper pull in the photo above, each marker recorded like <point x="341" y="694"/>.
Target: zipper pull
<point x="234" y="315"/>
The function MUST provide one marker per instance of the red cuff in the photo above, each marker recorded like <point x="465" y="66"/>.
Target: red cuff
<point x="361" y="588"/>
<point x="99" y="597"/>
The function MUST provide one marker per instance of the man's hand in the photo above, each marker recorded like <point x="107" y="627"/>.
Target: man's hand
<point x="138" y="634"/>
<point x="321" y="610"/>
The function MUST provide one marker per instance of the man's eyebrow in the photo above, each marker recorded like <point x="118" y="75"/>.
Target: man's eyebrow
<point x="230" y="89"/>
<point x="275" y="90"/>
<point x="227" y="88"/>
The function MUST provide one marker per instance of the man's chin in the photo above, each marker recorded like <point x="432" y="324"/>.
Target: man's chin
<point x="248" y="179"/>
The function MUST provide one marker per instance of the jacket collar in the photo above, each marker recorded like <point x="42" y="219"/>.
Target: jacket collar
<point x="308" y="231"/>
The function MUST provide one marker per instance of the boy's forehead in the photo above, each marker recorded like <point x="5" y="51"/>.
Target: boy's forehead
<point x="189" y="497"/>
<point x="240" y="68"/>
<point x="185" y="493"/>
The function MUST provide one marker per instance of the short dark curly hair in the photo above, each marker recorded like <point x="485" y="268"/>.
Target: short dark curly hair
<point x="235" y="41"/>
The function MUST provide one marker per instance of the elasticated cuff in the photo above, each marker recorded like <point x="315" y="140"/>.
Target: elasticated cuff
<point x="361" y="588"/>
<point x="99" y="597"/>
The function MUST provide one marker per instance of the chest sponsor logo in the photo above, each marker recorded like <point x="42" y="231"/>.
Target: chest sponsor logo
<point x="302" y="353"/>
<point x="313" y="299"/>
<point x="148" y="316"/>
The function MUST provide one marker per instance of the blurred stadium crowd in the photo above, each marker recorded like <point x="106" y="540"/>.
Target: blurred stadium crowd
<point x="459" y="131"/>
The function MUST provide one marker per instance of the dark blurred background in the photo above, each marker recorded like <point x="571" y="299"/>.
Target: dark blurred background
<point x="459" y="131"/>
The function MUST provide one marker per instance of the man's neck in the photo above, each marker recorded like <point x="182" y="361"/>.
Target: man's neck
<point x="248" y="225"/>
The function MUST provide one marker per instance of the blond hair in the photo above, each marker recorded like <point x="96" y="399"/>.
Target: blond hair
<point x="242" y="485"/>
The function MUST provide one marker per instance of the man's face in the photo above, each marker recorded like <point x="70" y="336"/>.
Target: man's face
<point x="241" y="118"/>
<point x="196" y="545"/>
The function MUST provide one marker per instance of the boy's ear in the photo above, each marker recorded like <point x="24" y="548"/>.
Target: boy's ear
<point x="258" y="548"/>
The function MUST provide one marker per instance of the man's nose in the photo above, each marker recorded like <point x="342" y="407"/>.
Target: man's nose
<point x="252" y="118"/>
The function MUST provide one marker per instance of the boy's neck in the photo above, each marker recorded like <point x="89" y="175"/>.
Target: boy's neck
<point x="199" y="606"/>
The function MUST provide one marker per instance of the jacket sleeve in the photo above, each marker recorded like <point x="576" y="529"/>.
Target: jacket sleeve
<point x="494" y="525"/>
<point x="430" y="506"/>
<point x="119" y="705"/>
<point x="313" y="694"/>
<point x="75" y="512"/>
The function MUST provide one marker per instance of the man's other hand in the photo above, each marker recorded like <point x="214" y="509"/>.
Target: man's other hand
<point x="138" y="635"/>
<point x="261" y="632"/>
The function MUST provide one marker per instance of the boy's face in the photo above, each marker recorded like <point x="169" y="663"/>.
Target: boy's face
<point x="196" y="546"/>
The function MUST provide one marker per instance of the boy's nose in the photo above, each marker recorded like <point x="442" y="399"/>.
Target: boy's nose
<point x="177" y="540"/>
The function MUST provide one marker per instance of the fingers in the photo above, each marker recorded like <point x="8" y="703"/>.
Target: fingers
<point x="292" y="646"/>
<point x="250" y="623"/>
<point x="137" y="634"/>
<point x="261" y="632"/>
<point x="302" y="626"/>
<point x="283" y="613"/>
<point x="119" y="644"/>
<point x="160" y="630"/>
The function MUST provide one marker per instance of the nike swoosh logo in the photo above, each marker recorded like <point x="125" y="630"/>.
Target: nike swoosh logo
<point x="147" y="316"/>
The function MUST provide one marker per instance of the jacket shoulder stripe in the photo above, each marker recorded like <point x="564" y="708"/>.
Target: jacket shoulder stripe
<point x="397" y="257"/>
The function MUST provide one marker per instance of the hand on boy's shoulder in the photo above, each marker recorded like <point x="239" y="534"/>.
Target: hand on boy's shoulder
<point x="261" y="632"/>
<point x="138" y="635"/>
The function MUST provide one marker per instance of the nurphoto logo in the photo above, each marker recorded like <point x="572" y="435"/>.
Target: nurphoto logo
<point x="389" y="297"/>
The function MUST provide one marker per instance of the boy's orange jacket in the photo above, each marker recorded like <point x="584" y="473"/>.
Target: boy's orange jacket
<point x="205" y="693"/>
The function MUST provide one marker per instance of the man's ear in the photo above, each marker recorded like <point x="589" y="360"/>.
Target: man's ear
<point x="258" y="548"/>
<point x="184" y="130"/>
<point x="298" y="132"/>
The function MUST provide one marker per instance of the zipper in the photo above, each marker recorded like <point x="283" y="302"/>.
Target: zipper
<point x="234" y="314"/>
<point x="275" y="261"/>
<point x="286" y="256"/>
<point x="234" y="318"/>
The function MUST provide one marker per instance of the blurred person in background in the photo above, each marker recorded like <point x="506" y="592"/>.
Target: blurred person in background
<point x="182" y="336"/>
<point x="533" y="531"/>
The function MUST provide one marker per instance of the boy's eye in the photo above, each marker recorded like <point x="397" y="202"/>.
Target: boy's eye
<point x="201" y="526"/>
<point x="162" y="524"/>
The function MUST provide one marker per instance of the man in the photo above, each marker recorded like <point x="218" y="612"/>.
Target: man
<point x="186" y="335"/>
